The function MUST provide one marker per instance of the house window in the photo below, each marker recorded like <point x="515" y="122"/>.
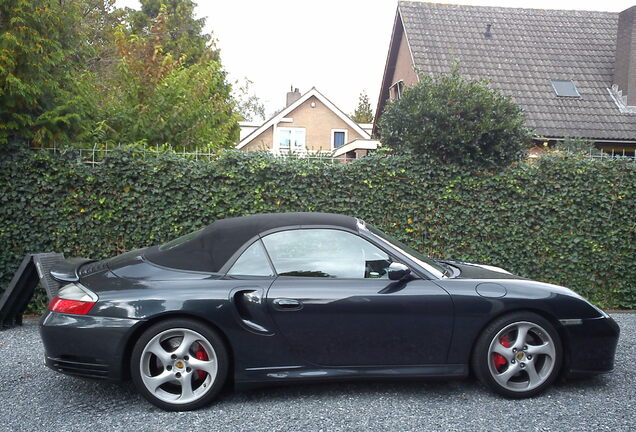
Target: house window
<point x="396" y="90"/>
<point x="291" y="139"/>
<point x="338" y="138"/>
<point x="565" y="88"/>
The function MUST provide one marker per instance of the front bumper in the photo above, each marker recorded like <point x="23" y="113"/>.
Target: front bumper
<point x="591" y="345"/>
<point x="85" y="345"/>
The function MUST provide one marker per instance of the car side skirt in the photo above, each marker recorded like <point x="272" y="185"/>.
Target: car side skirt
<point x="278" y="375"/>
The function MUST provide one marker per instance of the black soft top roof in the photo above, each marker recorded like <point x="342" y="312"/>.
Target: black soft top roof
<point x="217" y="242"/>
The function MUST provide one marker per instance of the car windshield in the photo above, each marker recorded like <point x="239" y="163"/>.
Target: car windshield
<point x="426" y="262"/>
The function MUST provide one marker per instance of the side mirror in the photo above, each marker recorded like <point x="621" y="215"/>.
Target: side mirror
<point x="398" y="271"/>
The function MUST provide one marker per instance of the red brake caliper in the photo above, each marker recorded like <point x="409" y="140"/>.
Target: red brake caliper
<point x="497" y="358"/>
<point x="203" y="356"/>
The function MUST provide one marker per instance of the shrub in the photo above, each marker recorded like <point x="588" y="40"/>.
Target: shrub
<point x="455" y="120"/>
<point x="560" y="219"/>
<point x="574" y="145"/>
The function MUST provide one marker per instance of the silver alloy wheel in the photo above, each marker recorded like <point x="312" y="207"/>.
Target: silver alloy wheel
<point x="178" y="366"/>
<point x="521" y="356"/>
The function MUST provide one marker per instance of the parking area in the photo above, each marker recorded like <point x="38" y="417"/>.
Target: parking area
<point x="34" y="398"/>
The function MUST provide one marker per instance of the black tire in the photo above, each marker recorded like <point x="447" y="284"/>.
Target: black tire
<point x="530" y="370"/>
<point x="182" y="368"/>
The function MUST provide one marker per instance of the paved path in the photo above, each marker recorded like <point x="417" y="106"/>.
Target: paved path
<point x="34" y="398"/>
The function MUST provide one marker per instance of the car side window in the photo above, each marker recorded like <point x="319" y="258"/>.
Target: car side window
<point x="326" y="253"/>
<point x="252" y="262"/>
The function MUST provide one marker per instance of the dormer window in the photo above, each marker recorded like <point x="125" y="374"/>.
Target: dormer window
<point x="396" y="90"/>
<point x="565" y="88"/>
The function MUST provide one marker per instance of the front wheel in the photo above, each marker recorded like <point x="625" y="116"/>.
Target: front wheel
<point x="179" y="364"/>
<point x="519" y="355"/>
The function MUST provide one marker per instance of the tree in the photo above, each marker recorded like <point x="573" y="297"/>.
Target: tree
<point x="100" y="23"/>
<point x="158" y="99"/>
<point x="185" y="37"/>
<point x="41" y="73"/>
<point x="84" y="71"/>
<point x="455" y="120"/>
<point x="363" y="113"/>
<point x="248" y="105"/>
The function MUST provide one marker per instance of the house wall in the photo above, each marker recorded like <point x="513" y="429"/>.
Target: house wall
<point x="318" y="123"/>
<point x="399" y="66"/>
<point x="403" y="65"/>
<point x="262" y="142"/>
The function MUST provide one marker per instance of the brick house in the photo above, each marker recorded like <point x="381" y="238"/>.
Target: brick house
<point x="309" y="124"/>
<point x="572" y="72"/>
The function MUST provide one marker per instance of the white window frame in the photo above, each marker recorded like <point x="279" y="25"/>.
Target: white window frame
<point x="398" y="89"/>
<point x="333" y="137"/>
<point x="292" y="145"/>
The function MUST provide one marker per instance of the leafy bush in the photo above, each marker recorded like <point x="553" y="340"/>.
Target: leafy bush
<point x="560" y="219"/>
<point x="455" y="120"/>
<point x="153" y="97"/>
<point x="574" y="145"/>
<point x="187" y="108"/>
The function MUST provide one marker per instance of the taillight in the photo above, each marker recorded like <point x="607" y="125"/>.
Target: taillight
<point x="70" y="306"/>
<point x="73" y="299"/>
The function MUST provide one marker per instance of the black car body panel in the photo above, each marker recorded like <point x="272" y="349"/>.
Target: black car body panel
<point x="338" y="324"/>
<point x="287" y="328"/>
<point x="86" y="345"/>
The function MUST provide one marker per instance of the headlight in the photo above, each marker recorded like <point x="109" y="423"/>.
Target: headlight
<point x="599" y="310"/>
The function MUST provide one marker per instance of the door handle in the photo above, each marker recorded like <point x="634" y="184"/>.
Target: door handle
<point x="287" y="304"/>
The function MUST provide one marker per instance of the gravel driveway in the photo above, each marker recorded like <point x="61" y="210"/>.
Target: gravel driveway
<point x="34" y="398"/>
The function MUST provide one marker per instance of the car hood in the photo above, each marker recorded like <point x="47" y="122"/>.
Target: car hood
<point x="480" y="271"/>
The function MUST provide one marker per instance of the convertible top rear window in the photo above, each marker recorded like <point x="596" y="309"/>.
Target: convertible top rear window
<point x="179" y="241"/>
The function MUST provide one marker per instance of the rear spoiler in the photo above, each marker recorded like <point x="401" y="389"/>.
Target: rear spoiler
<point x="51" y="269"/>
<point x="66" y="270"/>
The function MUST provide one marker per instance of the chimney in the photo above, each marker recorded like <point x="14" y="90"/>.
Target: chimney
<point x="625" y="64"/>
<point x="292" y="96"/>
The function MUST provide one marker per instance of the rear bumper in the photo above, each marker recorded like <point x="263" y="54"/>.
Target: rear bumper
<point x="72" y="366"/>
<point x="592" y="346"/>
<point x="85" y="345"/>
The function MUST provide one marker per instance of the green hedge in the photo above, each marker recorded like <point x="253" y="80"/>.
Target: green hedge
<point x="565" y="220"/>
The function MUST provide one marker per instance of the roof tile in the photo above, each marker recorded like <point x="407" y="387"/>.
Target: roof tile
<point x="528" y="48"/>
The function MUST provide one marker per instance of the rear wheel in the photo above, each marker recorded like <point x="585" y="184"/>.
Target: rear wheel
<point x="179" y="364"/>
<point x="518" y="355"/>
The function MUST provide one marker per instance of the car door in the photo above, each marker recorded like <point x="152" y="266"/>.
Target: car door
<point x="334" y="303"/>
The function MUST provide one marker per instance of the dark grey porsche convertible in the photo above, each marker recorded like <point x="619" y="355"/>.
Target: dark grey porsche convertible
<point x="277" y="298"/>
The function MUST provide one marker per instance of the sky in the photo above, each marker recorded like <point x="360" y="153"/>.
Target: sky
<point x="337" y="46"/>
